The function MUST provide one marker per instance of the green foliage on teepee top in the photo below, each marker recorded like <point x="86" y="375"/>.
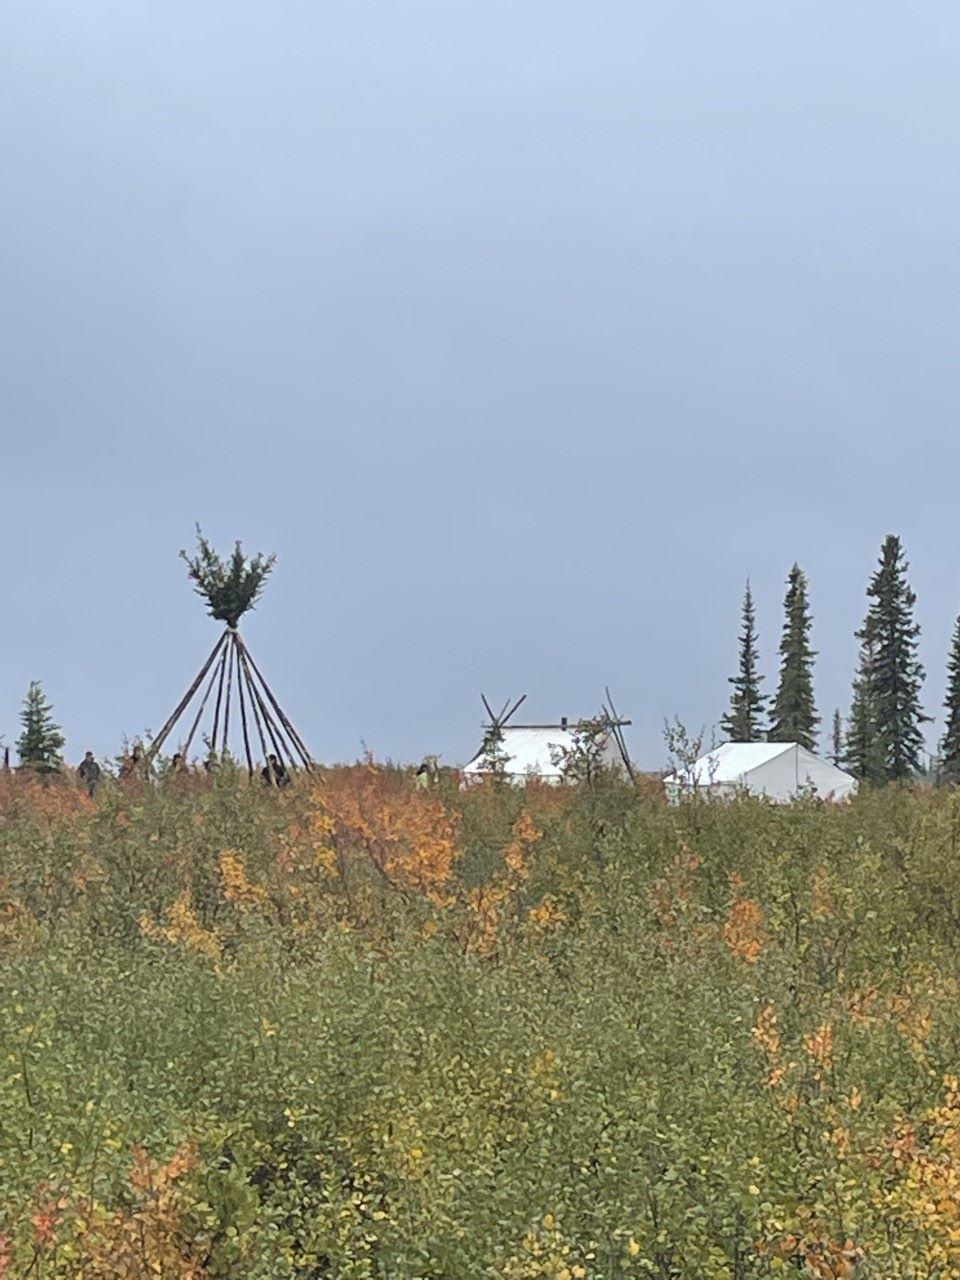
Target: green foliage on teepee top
<point x="794" y="716"/>
<point x="41" y="740"/>
<point x="229" y="587"/>
<point x="744" y="720"/>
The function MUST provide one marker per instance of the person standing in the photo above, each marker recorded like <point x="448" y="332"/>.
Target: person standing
<point x="89" y="772"/>
<point x="274" y="773"/>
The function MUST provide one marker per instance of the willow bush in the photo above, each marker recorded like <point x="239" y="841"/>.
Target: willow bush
<point x="356" y="1029"/>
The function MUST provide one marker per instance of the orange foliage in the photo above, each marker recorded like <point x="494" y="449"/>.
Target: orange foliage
<point x="409" y="835"/>
<point x="49" y="803"/>
<point x="546" y="915"/>
<point x="743" y="930"/>
<point x="820" y="1256"/>
<point x="148" y="1240"/>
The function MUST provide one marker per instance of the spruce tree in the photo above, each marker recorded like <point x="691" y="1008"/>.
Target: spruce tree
<point x="862" y="751"/>
<point x="950" y="742"/>
<point x="794" y="713"/>
<point x="836" y="739"/>
<point x="744" y="721"/>
<point x="40" y="741"/>
<point x="890" y="670"/>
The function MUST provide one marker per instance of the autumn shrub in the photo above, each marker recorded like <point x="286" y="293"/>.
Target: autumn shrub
<point x="356" y="1029"/>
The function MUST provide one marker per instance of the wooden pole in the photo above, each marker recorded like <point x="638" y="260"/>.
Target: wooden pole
<point x="216" y="710"/>
<point x="281" y="741"/>
<point x="291" y="731"/>
<point x="273" y="730"/>
<point x="226" y="705"/>
<point x="251" y="694"/>
<point x="182" y="705"/>
<point x="618" y="736"/>
<point x="203" y="702"/>
<point x="243" y="708"/>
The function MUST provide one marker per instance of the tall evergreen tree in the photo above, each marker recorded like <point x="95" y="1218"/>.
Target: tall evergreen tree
<point x="862" y="750"/>
<point x="40" y="741"/>
<point x="836" y="739"/>
<point x="950" y="742"/>
<point x="890" y="672"/>
<point x="744" y="720"/>
<point x="794" y="716"/>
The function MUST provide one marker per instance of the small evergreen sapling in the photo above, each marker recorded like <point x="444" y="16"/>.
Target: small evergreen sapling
<point x="950" y="742"/>
<point x="41" y="741"/>
<point x="744" y="720"/>
<point x="837" y="739"/>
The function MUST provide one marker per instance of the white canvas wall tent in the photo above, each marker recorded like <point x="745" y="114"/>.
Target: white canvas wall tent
<point x="544" y="751"/>
<point x="779" y="771"/>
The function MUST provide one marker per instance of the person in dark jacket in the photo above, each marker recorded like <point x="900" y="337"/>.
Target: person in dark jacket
<point x="274" y="773"/>
<point x="89" y="772"/>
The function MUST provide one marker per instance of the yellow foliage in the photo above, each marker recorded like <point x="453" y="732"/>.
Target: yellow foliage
<point x="821" y="897"/>
<point x="237" y="888"/>
<point x="183" y="928"/>
<point x="491" y="904"/>
<point x="525" y="834"/>
<point x="819" y="1045"/>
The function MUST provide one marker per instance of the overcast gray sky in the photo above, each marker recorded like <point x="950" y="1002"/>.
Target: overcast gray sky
<point x="523" y="332"/>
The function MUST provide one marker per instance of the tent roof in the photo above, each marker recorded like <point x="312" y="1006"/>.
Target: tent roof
<point x="732" y="763"/>
<point x="530" y="749"/>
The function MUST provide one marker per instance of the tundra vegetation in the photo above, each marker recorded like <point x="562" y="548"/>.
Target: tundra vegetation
<point x="360" y="1029"/>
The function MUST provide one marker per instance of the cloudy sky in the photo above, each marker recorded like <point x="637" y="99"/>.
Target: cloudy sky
<point x="523" y="333"/>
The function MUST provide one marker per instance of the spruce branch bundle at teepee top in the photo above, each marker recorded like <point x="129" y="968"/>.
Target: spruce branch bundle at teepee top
<point x="230" y="588"/>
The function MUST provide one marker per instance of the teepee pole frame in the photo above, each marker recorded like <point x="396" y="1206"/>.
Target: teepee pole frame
<point x="203" y="702"/>
<point x="226" y="707"/>
<point x="184" y="702"/>
<point x="281" y="716"/>
<point x="243" y="716"/>
<point x="279" y="743"/>
<point x="216" y="712"/>
<point x="233" y="677"/>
